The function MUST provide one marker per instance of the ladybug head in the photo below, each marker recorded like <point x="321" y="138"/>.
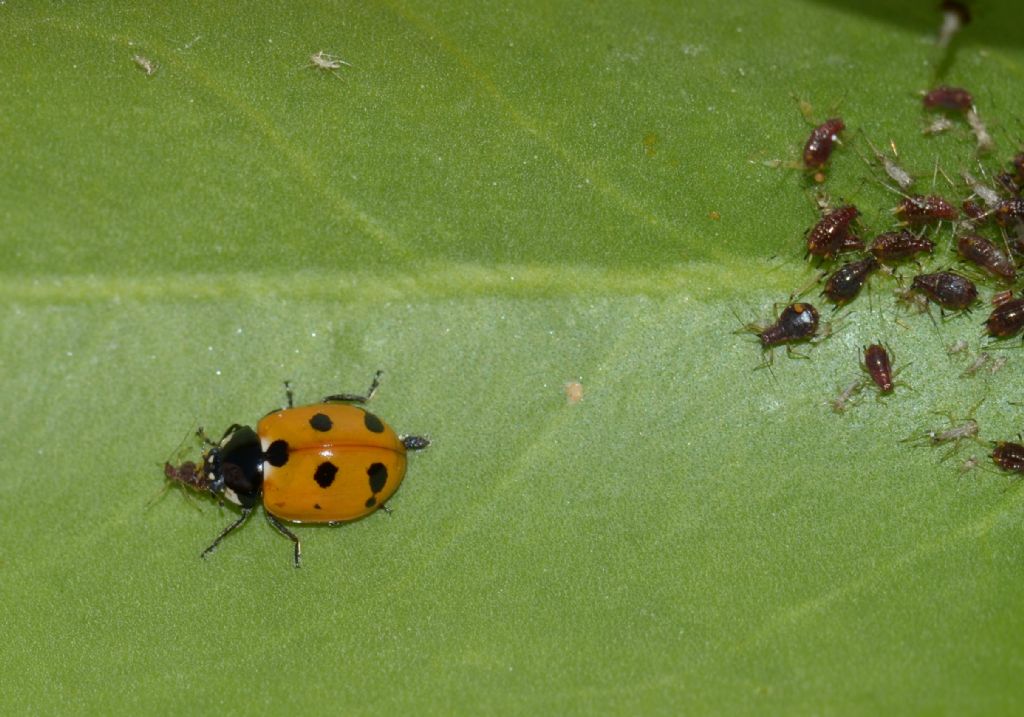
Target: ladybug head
<point x="234" y="467"/>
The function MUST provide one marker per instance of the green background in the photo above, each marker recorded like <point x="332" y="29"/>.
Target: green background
<point x="494" y="200"/>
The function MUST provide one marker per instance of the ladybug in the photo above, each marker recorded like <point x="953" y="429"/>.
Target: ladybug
<point x="328" y="462"/>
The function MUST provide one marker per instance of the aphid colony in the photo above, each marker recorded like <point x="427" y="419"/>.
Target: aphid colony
<point x="970" y="233"/>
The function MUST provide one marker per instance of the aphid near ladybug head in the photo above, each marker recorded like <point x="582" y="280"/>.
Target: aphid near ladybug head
<point x="831" y="234"/>
<point x="846" y="282"/>
<point x="328" y="462"/>
<point x="1006" y="320"/>
<point x="950" y="99"/>
<point x="925" y="209"/>
<point x="1008" y="456"/>
<point x="982" y="252"/>
<point x="820" y="144"/>
<point x="947" y="289"/>
<point x="893" y="246"/>
<point x="879" y="367"/>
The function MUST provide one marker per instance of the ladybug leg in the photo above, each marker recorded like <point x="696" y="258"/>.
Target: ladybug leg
<point x="288" y="534"/>
<point x="223" y="534"/>
<point x="386" y="508"/>
<point x="288" y="394"/>
<point x="355" y="397"/>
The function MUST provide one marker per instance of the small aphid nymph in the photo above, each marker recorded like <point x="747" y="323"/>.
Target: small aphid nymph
<point x="879" y="367"/>
<point x="984" y="141"/>
<point x="1009" y="212"/>
<point x="840" y="402"/>
<point x="820" y="144"/>
<point x="327" y="63"/>
<point x="145" y="64"/>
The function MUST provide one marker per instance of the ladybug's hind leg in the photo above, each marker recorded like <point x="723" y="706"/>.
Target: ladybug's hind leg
<point x="223" y="534"/>
<point x="355" y="397"/>
<point x="288" y="534"/>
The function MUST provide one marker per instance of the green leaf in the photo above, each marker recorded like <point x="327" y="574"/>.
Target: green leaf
<point x="493" y="201"/>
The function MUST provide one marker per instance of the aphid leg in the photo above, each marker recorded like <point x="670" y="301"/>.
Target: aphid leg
<point x="288" y="394"/>
<point x="288" y="534"/>
<point x="224" y="533"/>
<point x="355" y="397"/>
<point x="414" y="443"/>
<point x="201" y="435"/>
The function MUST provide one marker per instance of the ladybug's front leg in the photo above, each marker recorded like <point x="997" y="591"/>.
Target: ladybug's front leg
<point x="356" y="398"/>
<point x="223" y="534"/>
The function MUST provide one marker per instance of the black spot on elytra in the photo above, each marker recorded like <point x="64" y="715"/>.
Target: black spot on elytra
<point x="378" y="477"/>
<point x="325" y="473"/>
<point x="322" y="423"/>
<point x="316" y="506"/>
<point x="277" y="453"/>
<point x="371" y="501"/>
<point x="373" y="424"/>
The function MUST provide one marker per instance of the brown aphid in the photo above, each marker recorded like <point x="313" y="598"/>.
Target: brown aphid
<point x="982" y="252"/>
<point x="797" y="322"/>
<point x="1006" y="320"/>
<point x="1009" y="182"/>
<point x="1009" y="211"/>
<point x="187" y="473"/>
<point x="879" y="367"/>
<point x="1009" y="456"/>
<point x="846" y="282"/>
<point x="893" y="246"/>
<point x="1001" y="297"/>
<point x="947" y="289"/>
<point x="828" y="237"/>
<point x="973" y="210"/>
<point x="821" y="143"/>
<point x="951" y="99"/>
<point x="925" y="209"/>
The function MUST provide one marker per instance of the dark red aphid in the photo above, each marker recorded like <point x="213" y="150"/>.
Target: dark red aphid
<point x="947" y="289"/>
<point x="1001" y="297"/>
<point x="953" y="99"/>
<point x="924" y="209"/>
<point x="1009" y="211"/>
<point x="797" y="322"/>
<point x="892" y="246"/>
<point x="1006" y="320"/>
<point x="846" y="282"/>
<point x="821" y="142"/>
<point x="828" y="237"/>
<point x="189" y="474"/>
<point x="879" y="367"/>
<point x="1009" y="182"/>
<point x="973" y="210"/>
<point x="1009" y="456"/>
<point x="982" y="252"/>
